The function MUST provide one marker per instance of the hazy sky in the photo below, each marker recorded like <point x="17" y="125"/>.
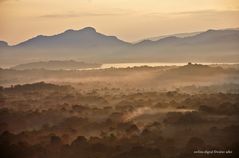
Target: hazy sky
<point x="129" y="20"/>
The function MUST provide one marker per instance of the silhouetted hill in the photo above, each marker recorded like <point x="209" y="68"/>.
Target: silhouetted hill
<point x="84" y="38"/>
<point x="181" y="35"/>
<point x="38" y="86"/>
<point x="209" y="46"/>
<point x="208" y="37"/>
<point x="196" y="73"/>
<point x="197" y="69"/>
<point x="56" y="65"/>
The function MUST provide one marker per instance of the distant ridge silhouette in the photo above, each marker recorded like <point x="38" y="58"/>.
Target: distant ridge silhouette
<point x="88" y="45"/>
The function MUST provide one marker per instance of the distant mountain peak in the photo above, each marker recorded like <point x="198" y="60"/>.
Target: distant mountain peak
<point x="86" y="29"/>
<point x="81" y="39"/>
<point x="89" y="29"/>
<point x="69" y="30"/>
<point x="3" y="44"/>
<point x="211" y="30"/>
<point x="145" y="42"/>
<point x="168" y="39"/>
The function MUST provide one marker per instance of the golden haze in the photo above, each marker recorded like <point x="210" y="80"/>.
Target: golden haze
<point x="128" y="20"/>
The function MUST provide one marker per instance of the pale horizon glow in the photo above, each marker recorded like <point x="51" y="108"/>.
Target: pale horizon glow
<point x="128" y="20"/>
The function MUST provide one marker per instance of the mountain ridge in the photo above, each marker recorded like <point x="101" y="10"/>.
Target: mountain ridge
<point x="70" y="32"/>
<point x="88" y="45"/>
<point x="92" y="29"/>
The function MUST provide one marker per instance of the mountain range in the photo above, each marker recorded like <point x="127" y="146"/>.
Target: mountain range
<point x="88" y="45"/>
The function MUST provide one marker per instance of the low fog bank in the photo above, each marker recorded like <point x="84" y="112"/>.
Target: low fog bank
<point x="144" y="77"/>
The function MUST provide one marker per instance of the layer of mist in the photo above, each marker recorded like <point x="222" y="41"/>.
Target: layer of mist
<point x="138" y="112"/>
